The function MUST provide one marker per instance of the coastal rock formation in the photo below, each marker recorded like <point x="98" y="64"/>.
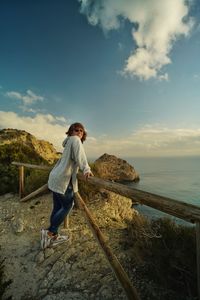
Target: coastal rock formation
<point x="43" y="148"/>
<point x="113" y="168"/>
<point x="21" y="146"/>
<point x="111" y="208"/>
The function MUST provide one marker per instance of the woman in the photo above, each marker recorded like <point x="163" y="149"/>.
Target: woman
<point x="63" y="182"/>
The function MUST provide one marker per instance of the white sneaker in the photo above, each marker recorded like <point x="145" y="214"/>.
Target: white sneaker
<point x="45" y="239"/>
<point x="59" y="240"/>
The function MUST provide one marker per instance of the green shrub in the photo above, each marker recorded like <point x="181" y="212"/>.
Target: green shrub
<point x="3" y="284"/>
<point x="10" y="173"/>
<point x="9" y="178"/>
<point x="35" y="180"/>
<point x="19" y="152"/>
<point x="166" y="253"/>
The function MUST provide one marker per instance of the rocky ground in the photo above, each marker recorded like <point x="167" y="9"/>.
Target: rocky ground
<point x="76" y="269"/>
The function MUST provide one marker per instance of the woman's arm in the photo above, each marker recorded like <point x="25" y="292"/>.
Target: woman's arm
<point x="79" y="156"/>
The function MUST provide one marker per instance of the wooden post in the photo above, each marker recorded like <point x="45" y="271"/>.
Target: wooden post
<point x="118" y="270"/>
<point x="198" y="256"/>
<point x="66" y="222"/>
<point x="21" y="181"/>
<point x="38" y="167"/>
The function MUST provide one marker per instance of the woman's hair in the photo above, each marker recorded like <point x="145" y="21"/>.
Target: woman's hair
<point x="77" y="126"/>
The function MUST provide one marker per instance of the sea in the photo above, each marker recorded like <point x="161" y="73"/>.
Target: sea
<point x="173" y="177"/>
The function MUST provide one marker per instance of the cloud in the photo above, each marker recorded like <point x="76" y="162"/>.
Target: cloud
<point x="196" y="77"/>
<point x="43" y="126"/>
<point x="156" y="26"/>
<point x="150" y="140"/>
<point x="27" y="99"/>
<point x="120" y="46"/>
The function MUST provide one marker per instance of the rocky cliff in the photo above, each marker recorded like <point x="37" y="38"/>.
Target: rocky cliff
<point x="43" y="148"/>
<point x="21" y="146"/>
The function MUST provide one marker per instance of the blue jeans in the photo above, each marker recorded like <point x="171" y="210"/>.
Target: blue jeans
<point x="62" y="204"/>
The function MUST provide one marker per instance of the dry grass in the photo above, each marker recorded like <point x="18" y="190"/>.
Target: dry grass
<point x="166" y="256"/>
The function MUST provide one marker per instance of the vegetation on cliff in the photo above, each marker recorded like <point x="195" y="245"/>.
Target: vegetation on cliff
<point x="20" y="146"/>
<point x="165" y="253"/>
<point x="42" y="148"/>
<point x="3" y="284"/>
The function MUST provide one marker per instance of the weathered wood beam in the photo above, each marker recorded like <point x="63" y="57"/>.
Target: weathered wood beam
<point x="42" y="189"/>
<point x="111" y="258"/>
<point x="39" y="167"/>
<point x="182" y="210"/>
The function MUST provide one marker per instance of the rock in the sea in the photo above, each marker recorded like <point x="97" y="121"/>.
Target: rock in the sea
<point x="114" y="168"/>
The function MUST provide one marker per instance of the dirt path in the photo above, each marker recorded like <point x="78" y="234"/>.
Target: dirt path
<point x="74" y="270"/>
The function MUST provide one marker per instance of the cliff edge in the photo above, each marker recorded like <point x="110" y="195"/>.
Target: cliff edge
<point x="42" y="148"/>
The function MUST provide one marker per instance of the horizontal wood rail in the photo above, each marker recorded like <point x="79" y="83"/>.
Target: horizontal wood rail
<point x="42" y="189"/>
<point x="182" y="210"/>
<point x="38" y="167"/>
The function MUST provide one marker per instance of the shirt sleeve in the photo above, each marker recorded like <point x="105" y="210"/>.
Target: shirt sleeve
<point x="79" y="156"/>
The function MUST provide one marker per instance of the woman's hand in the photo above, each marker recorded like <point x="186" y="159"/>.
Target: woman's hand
<point x="88" y="174"/>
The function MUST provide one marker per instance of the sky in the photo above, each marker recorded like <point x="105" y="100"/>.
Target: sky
<point x="129" y="70"/>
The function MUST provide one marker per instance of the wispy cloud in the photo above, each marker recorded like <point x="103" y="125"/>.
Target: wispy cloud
<point x="43" y="126"/>
<point x="156" y="26"/>
<point x="120" y="46"/>
<point x="196" y="77"/>
<point x="150" y="140"/>
<point x="27" y="99"/>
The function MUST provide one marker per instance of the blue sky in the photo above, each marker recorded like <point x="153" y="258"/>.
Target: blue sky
<point x="128" y="70"/>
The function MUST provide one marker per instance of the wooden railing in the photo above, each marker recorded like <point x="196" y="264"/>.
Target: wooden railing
<point x="114" y="263"/>
<point x="182" y="210"/>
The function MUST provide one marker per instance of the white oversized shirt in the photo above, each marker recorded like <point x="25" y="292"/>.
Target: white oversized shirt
<point x="66" y="168"/>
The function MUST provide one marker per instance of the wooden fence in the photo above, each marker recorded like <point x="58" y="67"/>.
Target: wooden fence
<point x="182" y="210"/>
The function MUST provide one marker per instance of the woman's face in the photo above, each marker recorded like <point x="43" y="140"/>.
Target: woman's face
<point x="78" y="131"/>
